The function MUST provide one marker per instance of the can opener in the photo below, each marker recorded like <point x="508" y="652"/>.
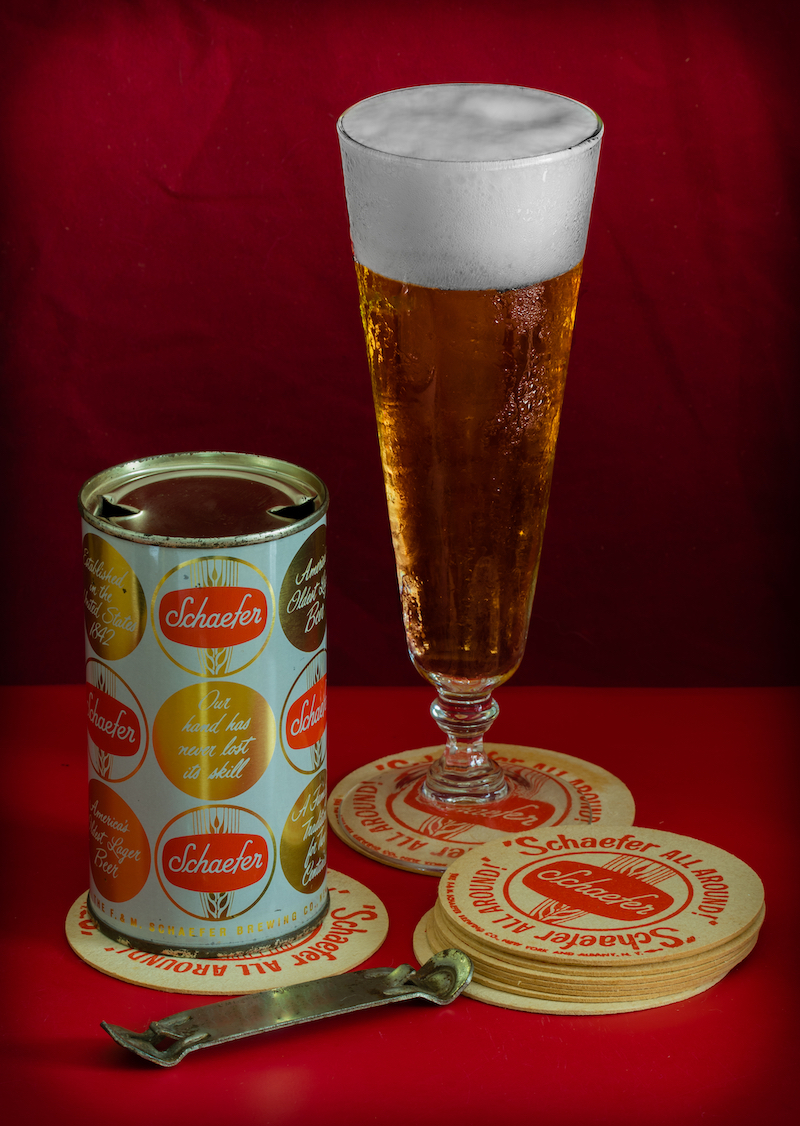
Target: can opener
<point x="167" y="1041"/>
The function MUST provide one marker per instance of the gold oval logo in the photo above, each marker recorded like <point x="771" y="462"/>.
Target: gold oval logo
<point x="302" y="601"/>
<point x="213" y="615"/>
<point x="114" y="607"/>
<point x="214" y="741"/>
<point x="304" y="838"/>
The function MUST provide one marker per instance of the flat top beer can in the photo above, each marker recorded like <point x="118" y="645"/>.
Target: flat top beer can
<point x="204" y="604"/>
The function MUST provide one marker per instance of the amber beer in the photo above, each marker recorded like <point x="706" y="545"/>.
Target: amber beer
<point x="452" y="431"/>
<point x="469" y="209"/>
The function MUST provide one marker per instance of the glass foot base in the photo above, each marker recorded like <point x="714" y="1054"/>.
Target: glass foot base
<point x="381" y="811"/>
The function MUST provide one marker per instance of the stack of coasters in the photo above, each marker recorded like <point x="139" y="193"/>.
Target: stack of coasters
<point x="597" y="920"/>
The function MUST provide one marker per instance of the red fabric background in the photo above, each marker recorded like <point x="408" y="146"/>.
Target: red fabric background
<point x="176" y="275"/>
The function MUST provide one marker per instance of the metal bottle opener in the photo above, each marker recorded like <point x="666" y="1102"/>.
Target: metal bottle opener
<point x="167" y="1041"/>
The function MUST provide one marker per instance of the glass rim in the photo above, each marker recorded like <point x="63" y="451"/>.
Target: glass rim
<point x="499" y="163"/>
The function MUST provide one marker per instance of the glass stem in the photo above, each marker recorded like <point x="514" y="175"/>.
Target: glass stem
<point x="465" y="773"/>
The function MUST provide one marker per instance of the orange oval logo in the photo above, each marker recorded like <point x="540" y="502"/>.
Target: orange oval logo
<point x="598" y="891"/>
<point x="213" y="617"/>
<point x="114" y="728"/>
<point x="214" y="862"/>
<point x="307" y="717"/>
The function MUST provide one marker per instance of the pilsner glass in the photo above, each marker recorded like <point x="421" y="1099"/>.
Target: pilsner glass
<point x="469" y="208"/>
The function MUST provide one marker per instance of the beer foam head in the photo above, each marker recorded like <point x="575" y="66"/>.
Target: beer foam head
<point x="469" y="122"/>
<point x="469" y="186"/>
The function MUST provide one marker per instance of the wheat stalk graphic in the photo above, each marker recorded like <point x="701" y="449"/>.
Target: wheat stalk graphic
<point x="102" y="678"/>
<point x="445" y="829"/>
<point x="216" y="819"/>
<point x="649" y="871"/>
<point x="214" y="572"/>
<point x="314" y="673"/>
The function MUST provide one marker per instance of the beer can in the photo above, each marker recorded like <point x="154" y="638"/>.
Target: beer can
<point x="204" y="606"/>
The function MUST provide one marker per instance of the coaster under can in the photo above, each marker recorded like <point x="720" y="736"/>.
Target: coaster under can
<point x="204" y="607"/>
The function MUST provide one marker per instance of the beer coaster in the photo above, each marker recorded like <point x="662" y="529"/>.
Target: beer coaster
<point x="354" y="928"/>
<point x="378" y="810"/>
<point x="503" y="999"/>
<point x="613" y="895"/>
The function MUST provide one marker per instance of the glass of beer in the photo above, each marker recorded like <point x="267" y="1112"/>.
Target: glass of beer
<point x="469" y="208"/>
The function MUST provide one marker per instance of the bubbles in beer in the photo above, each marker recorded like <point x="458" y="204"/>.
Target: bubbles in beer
<point x="468" y="389"/>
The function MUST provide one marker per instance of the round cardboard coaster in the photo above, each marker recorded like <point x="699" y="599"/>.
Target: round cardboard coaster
<point x="614" y="895"/>
<point x="378" y="810"/>
<point x="423" y="951"/>
<point x="354" y="928"/>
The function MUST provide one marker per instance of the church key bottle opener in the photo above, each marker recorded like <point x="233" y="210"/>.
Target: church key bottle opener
<point x="167" y="1041"/>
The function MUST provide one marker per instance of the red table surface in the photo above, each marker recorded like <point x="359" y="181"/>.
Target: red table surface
<point x="719" y="765"/>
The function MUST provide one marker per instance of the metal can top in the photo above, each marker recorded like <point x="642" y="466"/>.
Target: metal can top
<point x="213" y="498"/>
